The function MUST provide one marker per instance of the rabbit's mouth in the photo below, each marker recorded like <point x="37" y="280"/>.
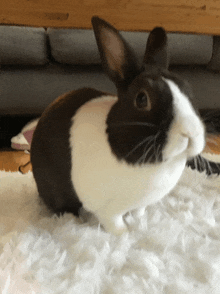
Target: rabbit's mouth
<point x="186" y="134"/>
<point x="180" y="144"/>
<point x="196" y="145"/>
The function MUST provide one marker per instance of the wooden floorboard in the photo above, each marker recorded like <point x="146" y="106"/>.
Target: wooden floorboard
<point x="12" y="160"/>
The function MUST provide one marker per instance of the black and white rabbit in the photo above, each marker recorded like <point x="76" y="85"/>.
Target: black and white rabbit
<point x="117" y="154"/>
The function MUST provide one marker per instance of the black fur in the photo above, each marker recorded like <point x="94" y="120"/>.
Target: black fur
<point x="138" y="144"/>
<point x="156" y="50"/>
<point x="50" y="152"/>
<point x="201" y="164"/>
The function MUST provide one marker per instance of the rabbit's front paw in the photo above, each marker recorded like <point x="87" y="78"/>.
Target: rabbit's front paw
<point x="138" y="213"/>
<point x="114" y="225"/>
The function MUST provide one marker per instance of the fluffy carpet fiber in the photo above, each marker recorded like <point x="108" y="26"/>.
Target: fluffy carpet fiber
<point x="173" y="249"/>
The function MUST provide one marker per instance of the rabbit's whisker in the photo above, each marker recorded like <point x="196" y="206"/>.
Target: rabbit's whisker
<point x="144" y="156"/>
<point x="133" y="124"/>
<point x="147" y="150"/>
<point x="158" y="153"/>
<point x="138" y="145"/>
<point x="158" y="133"/>
<point x="149" y="159"/>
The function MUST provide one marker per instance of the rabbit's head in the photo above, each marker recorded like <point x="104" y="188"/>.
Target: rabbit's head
<point x="153" y="119"/>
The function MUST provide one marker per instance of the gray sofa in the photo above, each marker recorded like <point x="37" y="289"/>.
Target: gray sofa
<point x="37" y="65"/>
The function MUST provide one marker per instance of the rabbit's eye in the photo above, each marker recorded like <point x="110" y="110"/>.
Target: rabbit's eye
<point x="142" y="101"/>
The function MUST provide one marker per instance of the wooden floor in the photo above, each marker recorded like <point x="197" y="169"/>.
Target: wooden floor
<point x="12" y="160"/>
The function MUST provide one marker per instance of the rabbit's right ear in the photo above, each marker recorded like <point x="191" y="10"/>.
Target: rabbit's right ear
<point x="156" y="50"/>
<point x="116" y="56"/>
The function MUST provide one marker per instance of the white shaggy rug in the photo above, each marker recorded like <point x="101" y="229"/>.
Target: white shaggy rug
<point x="173" y="249"/>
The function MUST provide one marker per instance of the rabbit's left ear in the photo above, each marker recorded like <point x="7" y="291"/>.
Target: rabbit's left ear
<point x="117" y="57"/>
<point x="156" y="50"/>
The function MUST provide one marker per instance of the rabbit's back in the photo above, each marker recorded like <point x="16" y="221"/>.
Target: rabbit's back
<point x="51" y="151"/>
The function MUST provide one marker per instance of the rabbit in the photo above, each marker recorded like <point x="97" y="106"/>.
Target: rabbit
<point x="117" y="154"/>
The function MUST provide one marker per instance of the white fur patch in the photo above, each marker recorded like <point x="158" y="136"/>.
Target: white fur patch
<point x="173" y="248"/>
<point x="107" y="187"/>
<point x="187" y="133"/>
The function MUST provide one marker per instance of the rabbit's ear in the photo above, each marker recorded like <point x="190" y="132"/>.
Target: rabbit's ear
<point x="156" y="49"/>
<point x="117" y="57"/>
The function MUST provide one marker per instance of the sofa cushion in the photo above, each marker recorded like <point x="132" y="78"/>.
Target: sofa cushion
<point x="75" y="46"/>
<point x="215" y="61"/>
<point x="30" y="91"/>
<point x="22" y="45"/>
